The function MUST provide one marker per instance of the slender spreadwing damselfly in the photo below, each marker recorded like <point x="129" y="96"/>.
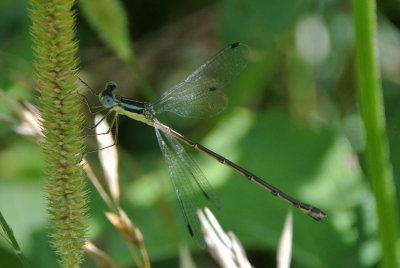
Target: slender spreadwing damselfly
<point x="200" y="95"/>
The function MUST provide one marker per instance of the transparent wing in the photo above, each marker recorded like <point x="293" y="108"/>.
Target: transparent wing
<point x="201" y="94"/>
<point x="195" y="172"/>
<point x="186" y="193"/>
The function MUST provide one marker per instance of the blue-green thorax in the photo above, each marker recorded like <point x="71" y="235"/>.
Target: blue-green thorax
<point x="137" y="110"/>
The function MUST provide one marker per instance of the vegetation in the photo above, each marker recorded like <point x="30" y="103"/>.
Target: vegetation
<point x="315" y="114"/>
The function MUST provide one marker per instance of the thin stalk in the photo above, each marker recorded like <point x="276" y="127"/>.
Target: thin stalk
<point x="11" y="238"/>
<point x="109" y="18"/>
<point x="141" y="80"/>
<point x="379" y="169"/>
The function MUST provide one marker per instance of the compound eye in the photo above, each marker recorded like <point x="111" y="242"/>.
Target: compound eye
<point x="108" y="101"/>
<point x="110" y="86"/>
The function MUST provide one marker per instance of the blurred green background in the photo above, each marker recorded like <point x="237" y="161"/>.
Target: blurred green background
<point x="292" y="119"/>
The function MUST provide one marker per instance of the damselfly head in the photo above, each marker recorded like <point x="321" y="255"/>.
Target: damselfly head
<point x="106" y="96"/>
<point x="111" y="86"/>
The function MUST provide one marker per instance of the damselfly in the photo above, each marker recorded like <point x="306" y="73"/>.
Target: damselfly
<point x="199" y="95"/>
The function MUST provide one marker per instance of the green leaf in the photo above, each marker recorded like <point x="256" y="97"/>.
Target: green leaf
<point x="109" y="18"/>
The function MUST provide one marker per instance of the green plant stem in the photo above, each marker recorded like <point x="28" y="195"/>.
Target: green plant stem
<point x="10" y="235"/>
<point x="109" y="19"/>
<point x="144" y="85"/>
<point x="378" y="164"/>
